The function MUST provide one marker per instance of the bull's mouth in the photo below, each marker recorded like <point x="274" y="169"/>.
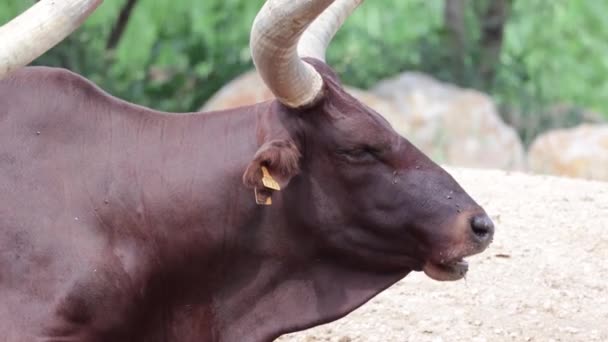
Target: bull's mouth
<point x="446" y="271"/>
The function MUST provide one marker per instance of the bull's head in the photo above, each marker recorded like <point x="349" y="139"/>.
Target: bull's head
<point x="342" y="171"/>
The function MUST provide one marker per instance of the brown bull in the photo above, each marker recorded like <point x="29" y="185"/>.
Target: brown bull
<point x="120" y="223"/>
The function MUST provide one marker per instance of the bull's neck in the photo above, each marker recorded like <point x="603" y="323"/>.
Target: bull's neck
<point x="177" y="180"/>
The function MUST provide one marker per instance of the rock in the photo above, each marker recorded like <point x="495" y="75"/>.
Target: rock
<point x="244" y="90"/>
<point x="249" y="88"/>
<point x="453" y="125"/>
<point x="576" y="152"/>
<point x="557" y="116"/>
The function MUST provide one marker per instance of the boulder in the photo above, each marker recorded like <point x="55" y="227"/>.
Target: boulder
<point x="244" y="90"/>
<point x="453" y="125"/>
<point x="581" y="152"/>
<point x="249" y="88"/>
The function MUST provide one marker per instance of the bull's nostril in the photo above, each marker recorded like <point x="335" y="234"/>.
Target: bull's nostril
<point x="480" y="232"/>
<point x="482" y="227"/>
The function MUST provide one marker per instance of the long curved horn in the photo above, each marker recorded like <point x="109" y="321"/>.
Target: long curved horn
<point x="318" y="35"/>
<point x="38" y="29"/>
<point x="274" y="39"/>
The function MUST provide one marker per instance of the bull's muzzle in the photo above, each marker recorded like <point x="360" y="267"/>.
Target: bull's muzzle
<point x="482" y="229"/>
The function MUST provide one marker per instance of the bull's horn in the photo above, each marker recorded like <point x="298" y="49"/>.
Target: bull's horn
<point x="318" y="35"/>
<point x="38" y="29"/>
<point x="274" y="40"/>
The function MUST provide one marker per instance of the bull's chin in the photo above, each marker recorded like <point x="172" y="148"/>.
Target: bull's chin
<point x="450" y="271"/>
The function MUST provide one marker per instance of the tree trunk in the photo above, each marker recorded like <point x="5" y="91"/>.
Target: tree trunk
<point x="121" y="24"/>
<point x="454" y="21"/>
<point x="492" y="23"/>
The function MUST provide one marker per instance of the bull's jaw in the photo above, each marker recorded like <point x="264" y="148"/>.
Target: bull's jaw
<point x="449" y="271"/>
<point x="454" y="267"/>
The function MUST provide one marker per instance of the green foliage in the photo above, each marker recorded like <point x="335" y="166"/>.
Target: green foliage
<point x="555" y="52"/>
<point x="376" y="43"/>
<point x="174" y="54"/>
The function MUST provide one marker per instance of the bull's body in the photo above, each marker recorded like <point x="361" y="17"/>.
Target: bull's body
<point x="118" y="223"/>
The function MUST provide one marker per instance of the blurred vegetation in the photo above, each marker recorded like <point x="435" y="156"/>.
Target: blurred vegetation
<point x="174" y="54"/>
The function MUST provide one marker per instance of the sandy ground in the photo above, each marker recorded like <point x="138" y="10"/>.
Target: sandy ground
<point x="545" y="277"/>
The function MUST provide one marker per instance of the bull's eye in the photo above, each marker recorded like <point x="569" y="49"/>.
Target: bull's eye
<point x="358" y="155"/>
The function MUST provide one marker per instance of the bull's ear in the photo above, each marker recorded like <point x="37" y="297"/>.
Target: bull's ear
<point x="271" y="169"/>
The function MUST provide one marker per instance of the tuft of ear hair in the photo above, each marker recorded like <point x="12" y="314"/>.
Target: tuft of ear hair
<point x="271" y="169"/>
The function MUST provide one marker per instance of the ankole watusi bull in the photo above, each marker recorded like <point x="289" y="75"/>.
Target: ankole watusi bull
<point x="120" y="223"/>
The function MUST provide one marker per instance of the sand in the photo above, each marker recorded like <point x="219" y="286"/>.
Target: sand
<point x="545" y="277"/>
